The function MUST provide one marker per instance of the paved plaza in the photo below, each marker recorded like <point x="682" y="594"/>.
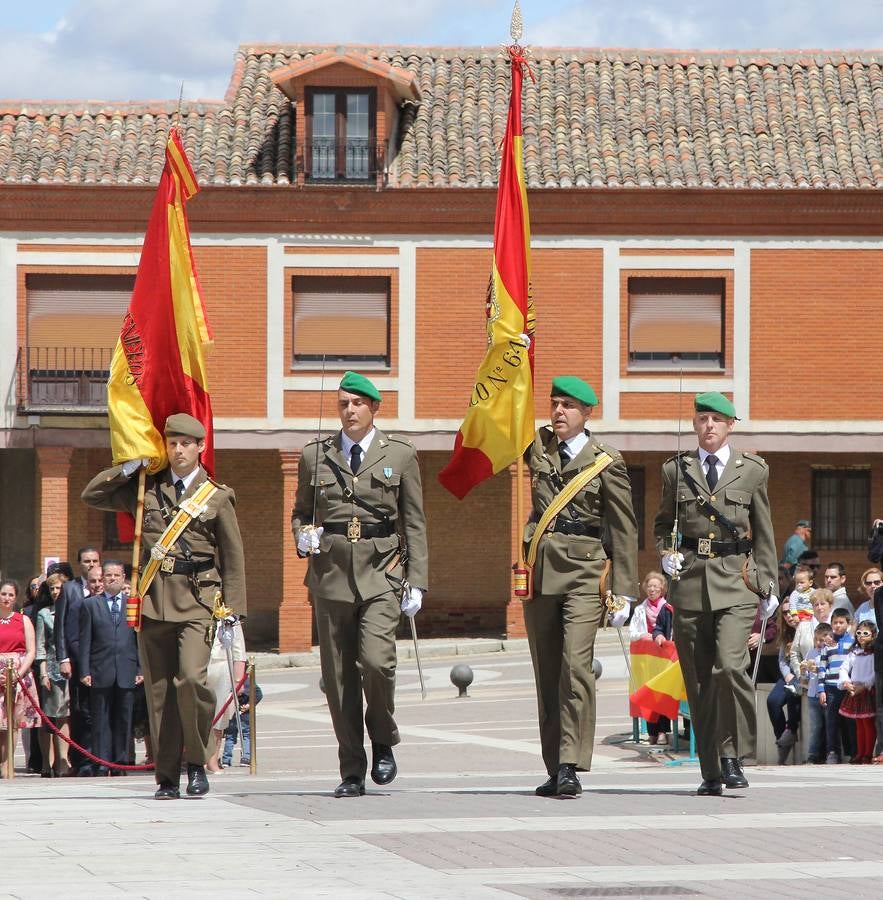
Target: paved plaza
<point x="460" y="821"/>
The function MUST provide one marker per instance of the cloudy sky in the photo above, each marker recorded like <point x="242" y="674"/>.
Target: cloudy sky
<point x="145" y="49"/>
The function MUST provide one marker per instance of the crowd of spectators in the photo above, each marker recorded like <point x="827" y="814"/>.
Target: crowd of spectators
<point x="817" y="655"/>
<point x="75" y="655"/>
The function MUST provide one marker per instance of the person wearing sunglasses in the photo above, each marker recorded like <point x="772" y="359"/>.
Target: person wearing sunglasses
<point x="870" y="580"/>
<point x="856" y="680"/>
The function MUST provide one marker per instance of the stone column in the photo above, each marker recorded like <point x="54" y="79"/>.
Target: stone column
<point x="295" y="611"/>
<point x="53" y="466"/>
<point x="515" y="608"/>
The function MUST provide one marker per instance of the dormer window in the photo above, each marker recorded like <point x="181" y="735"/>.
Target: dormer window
<point x="341" y="134"/>
<point x="344" y="134"/>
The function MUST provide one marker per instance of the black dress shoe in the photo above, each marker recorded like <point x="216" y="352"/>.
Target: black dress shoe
<point x="710" y="787"/>
<point x="383" y="768"/>
<point x="197" y="782"/>
<point x="351" y="786"/>
<point x="548" y="788"/>
<point x="167" y="791"/>
<point x="567" y="782"/>
<point x="732" y="774"/>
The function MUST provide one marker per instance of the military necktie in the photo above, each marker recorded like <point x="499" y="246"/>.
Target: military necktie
<point x="563" y="454"/>
<point x="711" y="475"/>
<point x="115" y="610"/>
<point x="179" y="489"/>
<point x="355" y="458"/>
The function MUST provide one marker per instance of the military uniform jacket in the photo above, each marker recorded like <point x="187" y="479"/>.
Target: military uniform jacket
<point x="212" y="536"/>
<point x="570" y="562"/>
<point x="389" y="479"/>
<point x="741" y="495"/>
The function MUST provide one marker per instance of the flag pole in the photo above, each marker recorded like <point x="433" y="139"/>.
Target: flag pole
<point x="133" y="604"/>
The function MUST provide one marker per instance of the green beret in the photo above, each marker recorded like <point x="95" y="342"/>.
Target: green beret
<point x="571" y="386"/>
<point x="712" y="401"/>
<point x="181" y="423"/>
<point x="359" y="384"/>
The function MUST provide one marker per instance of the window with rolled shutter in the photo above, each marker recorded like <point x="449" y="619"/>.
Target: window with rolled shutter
<point x="341" y="318"/>
<point x="676" y="322"/>
<point x="73" y="323"/>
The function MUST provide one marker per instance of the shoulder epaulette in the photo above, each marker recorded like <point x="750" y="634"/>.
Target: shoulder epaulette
<point x="677" y="456"/>
<point x="399" y="439"/>
<point x="601" y="447"/>
<point x="754" y="457"/>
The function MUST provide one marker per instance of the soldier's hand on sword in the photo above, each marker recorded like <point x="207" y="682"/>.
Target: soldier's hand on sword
<point x="672" y="563"/>
<point x="308" y="537"/>
<point x="412" y="601"/>
<point x="619" y="611"/>
<point x="768" y="606"/>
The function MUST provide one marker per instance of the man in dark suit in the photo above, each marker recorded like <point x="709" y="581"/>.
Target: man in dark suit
<point x="67" y="651"/>
<point x="109" y="667"/>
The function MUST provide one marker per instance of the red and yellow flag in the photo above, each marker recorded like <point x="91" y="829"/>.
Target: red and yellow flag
<point x="158" y="367"/>
<point x="500" y="421"/>
<point x="658" y="680"/>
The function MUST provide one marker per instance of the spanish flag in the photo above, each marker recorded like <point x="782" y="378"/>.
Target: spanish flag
<point x="500" y="421"/>
<point x="158" y="367"/>
<point x="658" y="680"/>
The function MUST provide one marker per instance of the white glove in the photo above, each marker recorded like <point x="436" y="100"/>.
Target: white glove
<point x="525" y="340"/>
<point x="308" y="539"/>
<point x="131" y="466"/>
<point x="412" y="600"/>
<point x="769" y="606"/>
<point x="672" y="562"/>
<point x="619" y="617"/>
<point x="225" y="632"/>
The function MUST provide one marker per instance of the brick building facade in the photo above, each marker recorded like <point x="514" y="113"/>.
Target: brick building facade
<point x="716" y="215"/>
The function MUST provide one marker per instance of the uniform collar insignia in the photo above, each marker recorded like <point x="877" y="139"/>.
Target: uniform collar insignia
<point x="387" y="471"/>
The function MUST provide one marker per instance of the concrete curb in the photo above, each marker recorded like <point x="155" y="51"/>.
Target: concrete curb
<point x="432" y="648"/>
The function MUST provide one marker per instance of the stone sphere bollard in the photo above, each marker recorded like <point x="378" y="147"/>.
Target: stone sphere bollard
<point x="461" y="678"/>
<point x="597" y="668"/>
<point x="321" y="684"/>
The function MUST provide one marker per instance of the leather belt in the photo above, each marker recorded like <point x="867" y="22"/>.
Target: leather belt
<point x="172" y="566"/>
<point x="568" y="526"/>
<point x="709" y="549"/>
<point x="365" y="529"/>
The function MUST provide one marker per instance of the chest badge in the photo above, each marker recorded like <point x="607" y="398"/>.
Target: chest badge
<point x="387" y="471"/>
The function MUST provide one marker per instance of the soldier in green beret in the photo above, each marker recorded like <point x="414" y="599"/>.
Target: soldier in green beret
<point x="719" y="495"/>
<point x="570" y="547"/>
<point x="358" y="495"/>
<point x="176" y="629"/>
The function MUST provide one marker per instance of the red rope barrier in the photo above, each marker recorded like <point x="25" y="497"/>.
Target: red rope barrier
<point x="146" y="767"/>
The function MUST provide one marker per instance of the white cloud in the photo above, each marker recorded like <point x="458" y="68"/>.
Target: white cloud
<point x="140" y="49"/>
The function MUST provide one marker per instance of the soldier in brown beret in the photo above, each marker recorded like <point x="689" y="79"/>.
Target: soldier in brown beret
<point x="175" y="638"/>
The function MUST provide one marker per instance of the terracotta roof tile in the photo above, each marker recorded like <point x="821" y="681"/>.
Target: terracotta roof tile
<point x="594" y="118"/>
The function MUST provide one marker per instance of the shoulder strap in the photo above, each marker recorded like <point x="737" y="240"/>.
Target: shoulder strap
<point x="349" y="494"/>
<point x="700" y="499"/>
<point x="188" y="510"/>
<point x="563" y="497"/>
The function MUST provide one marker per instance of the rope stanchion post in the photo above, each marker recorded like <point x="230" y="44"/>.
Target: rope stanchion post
<point x="10" y="718"/>
<point x="252" y="718"/>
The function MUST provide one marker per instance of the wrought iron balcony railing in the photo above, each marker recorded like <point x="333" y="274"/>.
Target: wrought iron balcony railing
<point x="354" y="161"/>
<point x="63" y="379"/>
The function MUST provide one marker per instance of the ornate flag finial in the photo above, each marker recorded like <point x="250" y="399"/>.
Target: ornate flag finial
<point x="516" y="26"/>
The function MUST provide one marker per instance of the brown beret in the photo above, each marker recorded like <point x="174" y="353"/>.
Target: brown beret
<point x="182" y="423"/>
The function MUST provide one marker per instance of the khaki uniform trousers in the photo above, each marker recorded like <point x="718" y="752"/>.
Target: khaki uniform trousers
<point x="713" y="652"/>
<point x="174" y="658"/>
<point x="561" y="632"/>
<point x="360" y="632"/>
